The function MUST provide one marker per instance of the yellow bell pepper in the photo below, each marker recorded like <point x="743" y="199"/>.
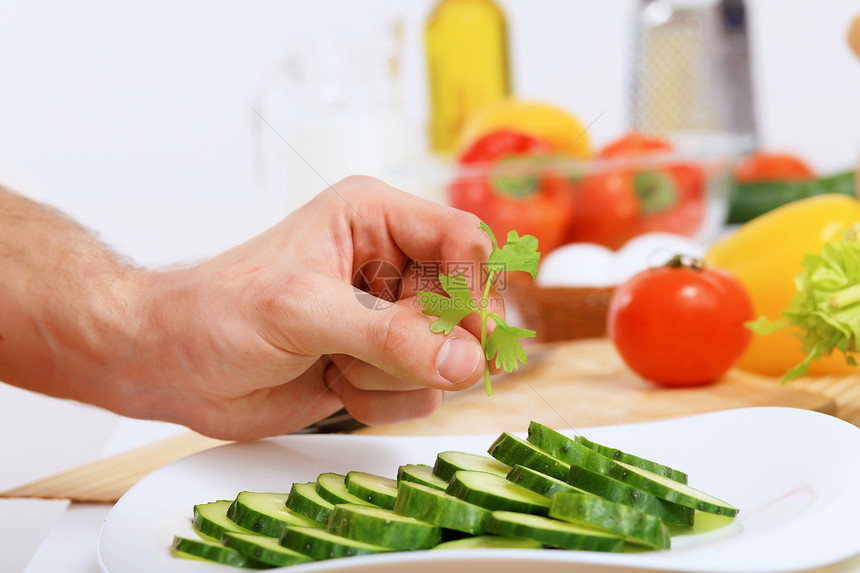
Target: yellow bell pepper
<point x="765" y="254"/>
<point x="543" y="121"/>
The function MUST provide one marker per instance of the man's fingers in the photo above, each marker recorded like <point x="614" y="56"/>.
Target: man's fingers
<point x="423" y="230"/>
<point x="394" y="338"/>
<point x="367" y="376"/>
<point x="273" y="411"/>
<point x="382" y="407"/>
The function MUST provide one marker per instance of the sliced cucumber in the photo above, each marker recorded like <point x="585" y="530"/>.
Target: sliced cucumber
<point x="374" y="489"/>
<point x="589" y="510"/>
<point x="447" y="463"/>
<point x="264" y="549"/>
<point x="332" y="488"/>
<point x="539" y="482"/>
<point x="420" y="473"/>
<point x="382" y="527"/>
<point x="305" y="500"/>
<point x="210" y="520"/>
<point x="491" y="542"/>
<point x="553" y="532"/>
<point x="547" y="491"/>
<point x="511" y="450"/>
<point x="440" y="508"/>
<point x="202" y="550"/>
<point x="266" y="513"/>
<point x="566" y="449"/>
<point x="319" y="544"/>
<point x="670" y="490"/>
<point x="634" y="461"/>
<point x="494" y="492"/>
<point x="620" y="492"/>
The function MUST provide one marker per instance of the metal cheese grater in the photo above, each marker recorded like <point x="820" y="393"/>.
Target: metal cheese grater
<point x="691" y="69"/>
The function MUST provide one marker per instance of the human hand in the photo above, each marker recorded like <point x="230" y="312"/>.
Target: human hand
<point x="273" y="335"/>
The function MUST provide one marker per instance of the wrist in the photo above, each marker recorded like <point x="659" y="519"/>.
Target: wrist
<point x="91" y="335"/>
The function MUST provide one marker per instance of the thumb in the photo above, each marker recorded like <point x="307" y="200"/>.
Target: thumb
<point x="397" y="339"/>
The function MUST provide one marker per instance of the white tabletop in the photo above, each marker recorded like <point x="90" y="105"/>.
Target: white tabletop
<point x="43" y="436"/>
<point x="52" y="435"/>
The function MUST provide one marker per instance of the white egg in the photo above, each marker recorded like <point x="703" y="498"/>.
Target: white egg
<point x="652" y="250"/>
<point x="578" y="264"/>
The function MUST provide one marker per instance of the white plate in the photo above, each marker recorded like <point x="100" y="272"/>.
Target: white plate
<point x="793" y="474"/>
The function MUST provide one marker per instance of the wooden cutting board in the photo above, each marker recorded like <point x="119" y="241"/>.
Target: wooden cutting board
<point x="584" y="383"/>
<point x="572" y="384"/>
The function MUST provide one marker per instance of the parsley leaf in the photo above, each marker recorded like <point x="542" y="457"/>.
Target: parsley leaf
<point x="450" y="309"/>
<point x="504" y="344"/>
<point x="518" y="253"/>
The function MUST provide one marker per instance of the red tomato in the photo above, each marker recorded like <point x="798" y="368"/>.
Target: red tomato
<point x="769" y="166"/>
<point x="539" y="203"/>
<point x="606" y="210"/>
<point x="634" y="144"/>
<point x="625" y="201"/>
<point x="680" y="325"/>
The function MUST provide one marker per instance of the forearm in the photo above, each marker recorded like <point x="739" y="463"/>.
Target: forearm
<point x="65" y="302"/>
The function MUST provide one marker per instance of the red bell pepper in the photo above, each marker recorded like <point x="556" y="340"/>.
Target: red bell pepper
<point x="537" y="202"/>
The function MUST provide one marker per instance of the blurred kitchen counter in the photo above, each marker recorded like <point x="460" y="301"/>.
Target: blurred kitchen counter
<point x="584" y="383"/>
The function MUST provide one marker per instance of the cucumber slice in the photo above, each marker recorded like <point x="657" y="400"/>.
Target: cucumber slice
<point x="491" y="542"/>
<point x="266" y="513"/>
<point x="566" y="449"/>
<point x="420" y="473"/>
<point x="382" y="527"/>
<point x="305" y="500"/>
<point x="332" y="488"/>
<point x="440" y="508"/>
<point x="202" y="550"/>
<point x="494" y="492"/>
<point x="263" y="549"/>
<point x="635" y="461"/>
<point x="210" y="520"/>
<point x="374" y="489"/>
<point x="620" y="492"/>
<point x="448" y="463"/>
<point x="319" y="544"/>
<point x="589" y="510"/>
<point x="539" y="482"/>
<point x="512" y="450"/>
<point x="553" y="532"/>
<point x="670" y="490"/>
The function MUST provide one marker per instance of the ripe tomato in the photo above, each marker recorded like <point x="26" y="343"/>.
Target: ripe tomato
<point x="606" y="210"/>
<point x="769" y="166"/>
<point x="633" y="144"/>
<point x="680" y="324"/>
<point x="623" y="201"/>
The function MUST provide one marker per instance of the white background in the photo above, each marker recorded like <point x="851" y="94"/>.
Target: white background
<point x="136" y="118"/>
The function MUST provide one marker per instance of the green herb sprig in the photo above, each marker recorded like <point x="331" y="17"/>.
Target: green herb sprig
<point x="503" y="344"/>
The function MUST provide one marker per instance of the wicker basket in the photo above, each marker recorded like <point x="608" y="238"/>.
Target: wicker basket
<point x="559" y="313"/>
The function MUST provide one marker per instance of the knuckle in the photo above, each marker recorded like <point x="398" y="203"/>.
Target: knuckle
<point x="357" y="184"/>
<point x="396" y="338"/>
